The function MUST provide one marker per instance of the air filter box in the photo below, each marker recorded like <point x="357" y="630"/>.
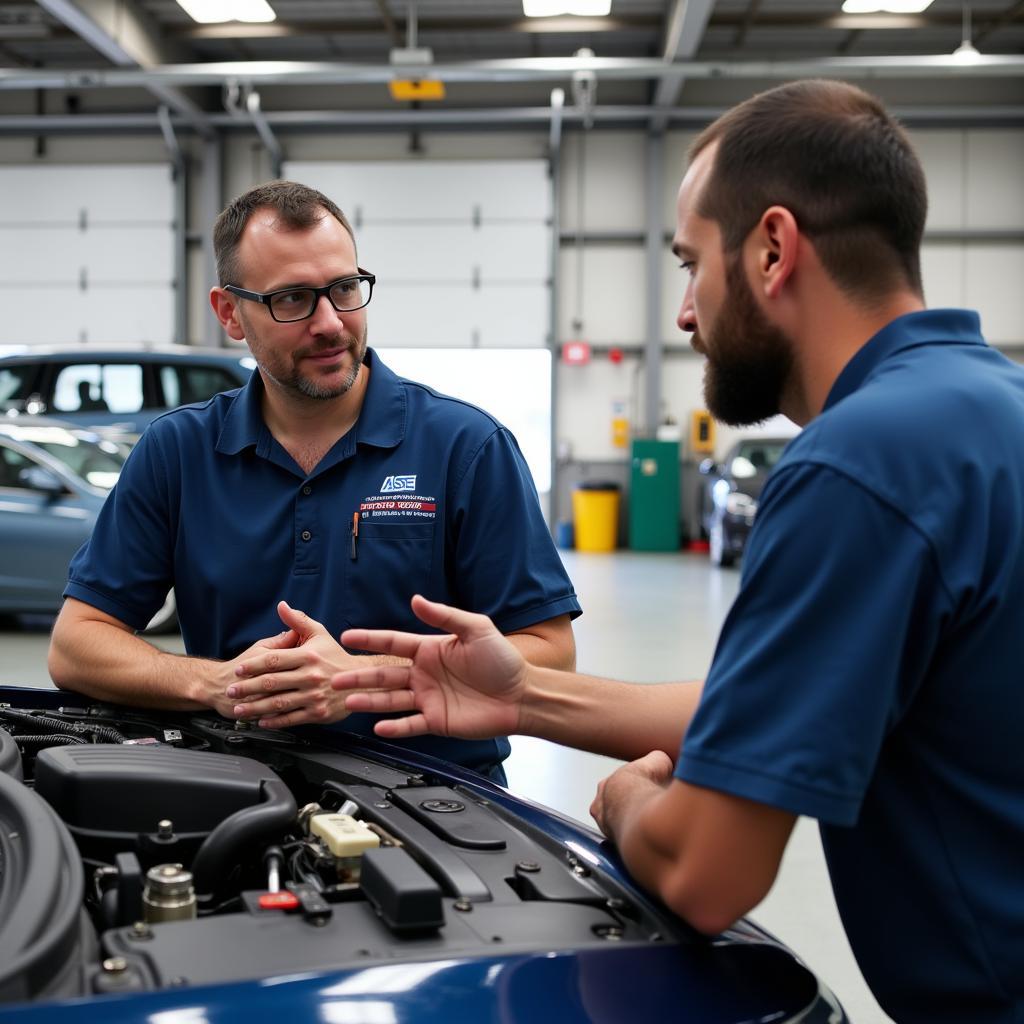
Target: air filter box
<point x="119" y="791"/>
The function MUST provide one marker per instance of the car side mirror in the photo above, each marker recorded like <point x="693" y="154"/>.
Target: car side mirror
<point x="707" y="467"/>
<point x="41" y="479"/>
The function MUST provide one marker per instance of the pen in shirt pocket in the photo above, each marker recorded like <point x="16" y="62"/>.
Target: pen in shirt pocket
<point x="355" y="534"/>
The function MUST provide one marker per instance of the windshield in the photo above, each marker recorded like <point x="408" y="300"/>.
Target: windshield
<point x="95" y="460"/>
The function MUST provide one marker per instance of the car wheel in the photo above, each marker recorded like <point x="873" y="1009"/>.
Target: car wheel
<point x="165" y="620"/>
<point x="720" y="554"/>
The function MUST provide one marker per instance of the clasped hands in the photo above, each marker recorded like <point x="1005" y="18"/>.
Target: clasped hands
<point x="285" y="680"/>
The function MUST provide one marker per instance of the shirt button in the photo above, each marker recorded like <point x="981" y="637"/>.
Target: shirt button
<point x="306" y="535"/>
<point x="307" y="489"/>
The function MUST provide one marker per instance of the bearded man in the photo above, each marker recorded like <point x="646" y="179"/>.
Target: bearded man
<point x="869" y="673"/>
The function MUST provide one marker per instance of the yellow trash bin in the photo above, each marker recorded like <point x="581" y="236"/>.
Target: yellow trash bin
<point x="595" y="513"/>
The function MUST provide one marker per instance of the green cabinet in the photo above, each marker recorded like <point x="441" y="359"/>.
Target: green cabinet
<point x="654" y="521"/>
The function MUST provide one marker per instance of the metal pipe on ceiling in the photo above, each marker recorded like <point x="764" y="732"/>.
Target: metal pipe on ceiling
<point x="535" y="69"/>
<point x="480" y="118"/>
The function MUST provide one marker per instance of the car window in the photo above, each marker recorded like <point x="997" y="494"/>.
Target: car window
<point x="15" y="382"/>
<point x="183" y="385"/>
<point x="99" y="387"/>
<point x="11" y="464"/>
<point x="762" y="456"/>
<point x="97" y="462"/>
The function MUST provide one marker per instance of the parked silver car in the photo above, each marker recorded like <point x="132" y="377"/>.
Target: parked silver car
<point x="118" y="388"/>
<point x="53" y="480"/>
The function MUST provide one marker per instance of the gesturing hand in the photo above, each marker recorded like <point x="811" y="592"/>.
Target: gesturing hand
<point x="292" y="686"/>
<point x="469" y="683"/>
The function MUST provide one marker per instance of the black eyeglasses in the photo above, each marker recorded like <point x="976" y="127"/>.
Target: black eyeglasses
<point x="287" y="305"/>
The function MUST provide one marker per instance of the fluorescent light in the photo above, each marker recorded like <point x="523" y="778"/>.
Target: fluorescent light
<point x="211" y="11"/>
<point x="553" y="8"/>
<point x="884" y="6"/>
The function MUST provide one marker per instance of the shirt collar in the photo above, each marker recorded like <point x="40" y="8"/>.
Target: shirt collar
<point x="381" y="420"/>
<point x="927" y="327"/>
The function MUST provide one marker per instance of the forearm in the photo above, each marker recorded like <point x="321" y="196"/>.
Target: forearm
<point x="549" y="643"/>
<point x="708" y="855"/>
<point x="623" y="720"/>
<point x="109" y="662"/>
<point x="542" y="652"/>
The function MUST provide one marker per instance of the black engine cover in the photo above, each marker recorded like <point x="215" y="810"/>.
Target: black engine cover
<point x="125" y="790"/>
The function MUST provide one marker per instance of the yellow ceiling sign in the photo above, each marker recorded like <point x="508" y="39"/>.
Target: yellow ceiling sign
<point x="403" y="89"/>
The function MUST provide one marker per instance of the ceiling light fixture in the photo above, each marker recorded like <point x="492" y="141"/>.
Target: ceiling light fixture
<point x="209" y="12"/>
<point x="966" y="52"/>
<point x="553" y="8"/>
<point x="885" y="6"/>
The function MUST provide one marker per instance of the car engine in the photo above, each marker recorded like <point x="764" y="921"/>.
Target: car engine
<point x="143" y="851"/>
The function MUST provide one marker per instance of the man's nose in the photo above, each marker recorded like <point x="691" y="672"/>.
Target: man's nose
<point x="687" y="318"/>
<point x="325" y="316"/>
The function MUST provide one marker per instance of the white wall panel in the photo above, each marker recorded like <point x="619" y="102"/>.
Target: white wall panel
<point x="433" y="190"/>
<point x="407" y="252"/>
<point x="95" y="243"/>
<point x="106" y="253"/>
<point x="942" y="156"/>
<point x="612" y="182"/>
<point x="676" y="146"/>
<point x="612" y="304"/>
<point x="995" y="180"/>
<point x="120" y="193"/>
<point x="587" y="396"/>
<point x="942" y="271"/>
<point x="989" y="269"/>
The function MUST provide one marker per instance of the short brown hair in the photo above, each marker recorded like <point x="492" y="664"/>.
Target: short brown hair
<point x="297" y="206"/>
<point x="833" y="156"/>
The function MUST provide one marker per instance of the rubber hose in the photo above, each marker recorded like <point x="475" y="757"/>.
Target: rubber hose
<point x="103" y="732"/>
<point x="224" y="845"/>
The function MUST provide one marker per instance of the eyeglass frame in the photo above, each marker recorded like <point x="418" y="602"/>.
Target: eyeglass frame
<point x="266" y="298"/>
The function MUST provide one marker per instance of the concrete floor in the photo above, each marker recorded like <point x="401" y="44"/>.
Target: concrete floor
<point x="647" y="618"/>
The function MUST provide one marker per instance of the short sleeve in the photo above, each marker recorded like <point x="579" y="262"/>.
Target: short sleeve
<point x="836" y="620"/>
<point x="505" y="562"/>
<point x="126" y="567"/>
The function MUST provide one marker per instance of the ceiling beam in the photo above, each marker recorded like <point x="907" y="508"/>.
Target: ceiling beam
<point x="539" y="117"/>
<point x="1010" y="15"/>
<point x="121" y="33"/>
<point x="686" y="24"/>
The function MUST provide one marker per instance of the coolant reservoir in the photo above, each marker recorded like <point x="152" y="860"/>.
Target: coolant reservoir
<point x="346" y="838"/>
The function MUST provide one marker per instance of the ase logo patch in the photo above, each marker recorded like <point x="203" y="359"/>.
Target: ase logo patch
<point x="398" y="483"/>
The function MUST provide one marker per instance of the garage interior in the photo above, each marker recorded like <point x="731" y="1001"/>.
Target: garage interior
<point x="528" y="167"/>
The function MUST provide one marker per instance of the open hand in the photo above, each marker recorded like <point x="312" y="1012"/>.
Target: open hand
<point x="469" y="683"/>
<point x="285" y="687"/>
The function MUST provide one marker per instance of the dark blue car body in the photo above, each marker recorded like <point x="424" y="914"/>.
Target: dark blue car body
<point x="538" y="922"/>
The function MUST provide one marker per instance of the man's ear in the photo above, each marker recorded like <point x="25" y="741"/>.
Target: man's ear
<point x="225" y="308"/>
<point x="777" y="240"/>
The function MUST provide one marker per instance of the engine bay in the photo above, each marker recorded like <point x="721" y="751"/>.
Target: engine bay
<point x="142" y="851"/>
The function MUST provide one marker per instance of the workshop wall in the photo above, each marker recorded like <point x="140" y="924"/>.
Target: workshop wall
<point x="973" y="254"/>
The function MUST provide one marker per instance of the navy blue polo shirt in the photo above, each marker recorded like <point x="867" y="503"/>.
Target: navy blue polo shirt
<point x="870" y="671"/>
<point x="211" y="504"/>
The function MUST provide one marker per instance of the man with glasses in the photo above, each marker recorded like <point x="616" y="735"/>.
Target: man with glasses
<point x="320" y="496"/>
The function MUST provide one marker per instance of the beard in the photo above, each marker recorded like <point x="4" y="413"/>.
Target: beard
<point x="749" y="360"/>
<point x="286" y="374"/>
